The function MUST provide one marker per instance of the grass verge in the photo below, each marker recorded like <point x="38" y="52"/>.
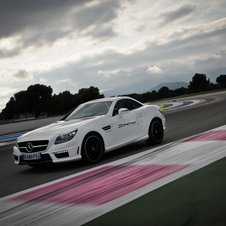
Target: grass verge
<point x="196" y="199"/>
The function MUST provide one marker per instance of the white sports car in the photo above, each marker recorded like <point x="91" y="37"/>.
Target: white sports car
<point x="89" y="131"/>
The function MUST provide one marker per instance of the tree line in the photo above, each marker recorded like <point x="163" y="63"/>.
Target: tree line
<point x="199" y="83"/>
<point x="39" y="99"/>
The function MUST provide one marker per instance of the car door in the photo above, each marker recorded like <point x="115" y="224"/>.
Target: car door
<point x="128" y="125"/>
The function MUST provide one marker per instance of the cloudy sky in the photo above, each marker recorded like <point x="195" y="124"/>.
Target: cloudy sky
<point x="124" y="45"/>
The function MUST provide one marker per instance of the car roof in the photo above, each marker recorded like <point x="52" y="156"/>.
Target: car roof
<point x="108" y="99"/>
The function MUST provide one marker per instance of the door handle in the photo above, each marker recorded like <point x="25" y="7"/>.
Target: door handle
<point x="139" y="115"/>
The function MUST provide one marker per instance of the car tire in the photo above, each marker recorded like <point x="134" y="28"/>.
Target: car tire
<point x="156" y="132"/>
<point x="92" y="149"/>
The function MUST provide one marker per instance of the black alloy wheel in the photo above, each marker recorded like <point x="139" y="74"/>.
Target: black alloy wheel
<point x="156" y="132"/>
<point x="92" y="149"/>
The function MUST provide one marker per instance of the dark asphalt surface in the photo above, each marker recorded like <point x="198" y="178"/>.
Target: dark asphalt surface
<point x="181" y="123"/>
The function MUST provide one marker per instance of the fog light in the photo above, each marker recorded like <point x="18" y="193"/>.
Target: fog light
<point x="16" y="157"/>
<point x="61" y="154"/>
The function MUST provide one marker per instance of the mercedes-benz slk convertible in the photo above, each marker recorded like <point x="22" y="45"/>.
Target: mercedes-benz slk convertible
<point x="89" y="131"/>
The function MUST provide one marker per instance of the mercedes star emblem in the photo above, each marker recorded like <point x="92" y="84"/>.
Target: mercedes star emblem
<point x="29" y="147"/>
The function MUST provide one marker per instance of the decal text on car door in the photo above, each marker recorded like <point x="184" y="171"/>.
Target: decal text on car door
<point x="126" y="124"/>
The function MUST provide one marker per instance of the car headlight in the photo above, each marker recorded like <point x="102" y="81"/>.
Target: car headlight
<point x="16" y="144"/>
<point x="65" y="137"/>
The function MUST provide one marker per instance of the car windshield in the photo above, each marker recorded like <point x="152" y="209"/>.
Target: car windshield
<point x="90" y="110"/>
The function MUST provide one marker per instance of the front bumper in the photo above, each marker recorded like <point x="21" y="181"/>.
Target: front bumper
<point x="65" y="152"/>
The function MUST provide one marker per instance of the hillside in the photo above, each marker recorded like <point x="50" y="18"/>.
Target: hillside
<point x="170" y="85"/>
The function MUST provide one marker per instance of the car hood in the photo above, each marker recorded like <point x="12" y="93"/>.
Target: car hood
<point x="55" y="129"/>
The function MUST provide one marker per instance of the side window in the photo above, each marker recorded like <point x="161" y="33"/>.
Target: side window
<point x="126" y="103"/>
<point x="119" y="104"/>
<point x="133" y="104"/>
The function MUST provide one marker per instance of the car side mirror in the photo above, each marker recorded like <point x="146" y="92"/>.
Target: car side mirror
<point x="122" y="111"/>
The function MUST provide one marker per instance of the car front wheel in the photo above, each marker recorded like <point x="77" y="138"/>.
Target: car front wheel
<point x="92" y="149"/>
<point x="156" y="132"/>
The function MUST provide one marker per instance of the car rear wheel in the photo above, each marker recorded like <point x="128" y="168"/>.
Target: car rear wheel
<point x="92" y="149"/>
<point x="156" y="132"/>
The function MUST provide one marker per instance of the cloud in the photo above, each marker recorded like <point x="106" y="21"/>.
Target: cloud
<point x="43" y="80"/>
<point x="9" y="47"/>
<point x="4" y="53"/>
<point x="6" y="91"/>
<point x="154" y="70"/>
<point x="180" y="12"/>
<point x="15" y="75"/>
<point x="19" y="16"/>
<point x="69" y="82"/>
<point x="156" y="17"/>
<point x="3" y="102"/>
<point x="109" y="43"/>
<point x="4" y="94"/>
<point x="107" y="68"/>
<point x="102" y="33"/>
<point x="40" y="23"/>
<point x="99" y="14"/>
<point x="22" y="75"/>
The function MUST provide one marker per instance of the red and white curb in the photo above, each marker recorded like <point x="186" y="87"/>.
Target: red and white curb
<point x="79" y="198"/>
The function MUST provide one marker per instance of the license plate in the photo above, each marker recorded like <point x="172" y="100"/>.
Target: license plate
<point x="31" y="156"/>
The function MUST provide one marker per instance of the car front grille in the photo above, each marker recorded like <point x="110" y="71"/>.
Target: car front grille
<point x="33" y="146"/>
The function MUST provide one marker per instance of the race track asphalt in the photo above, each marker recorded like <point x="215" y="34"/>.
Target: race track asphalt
<point x="181" y="123"/>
